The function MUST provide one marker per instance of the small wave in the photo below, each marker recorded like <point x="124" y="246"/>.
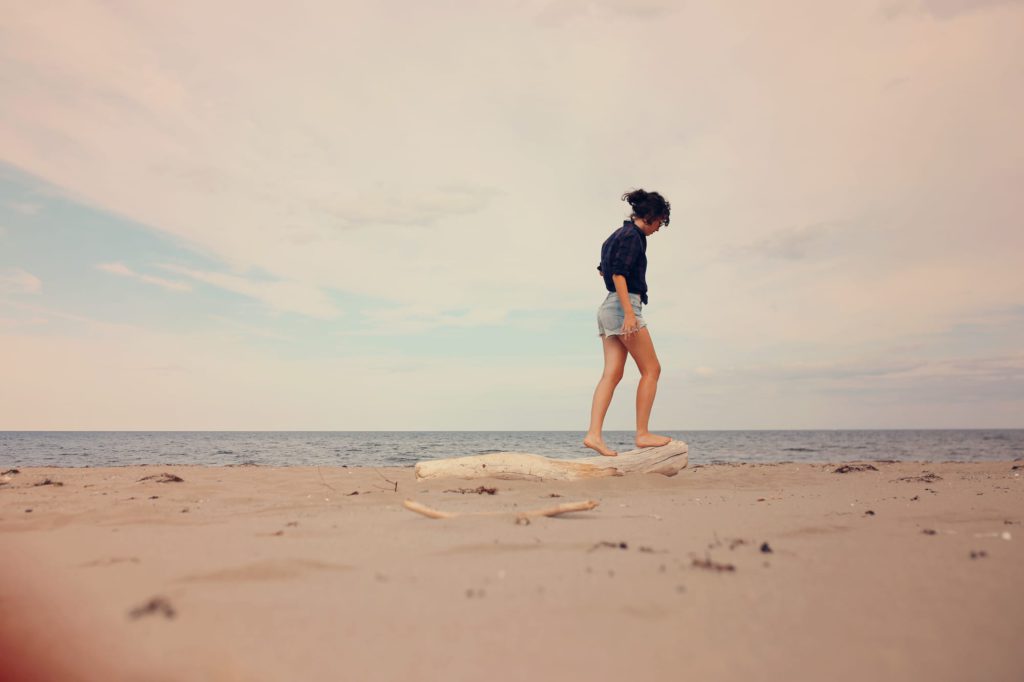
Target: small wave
<point x="799" y="450"/>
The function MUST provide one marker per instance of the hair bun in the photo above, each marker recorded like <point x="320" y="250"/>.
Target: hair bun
<point x="648" y="205"/>
<point x="635" y="198"/>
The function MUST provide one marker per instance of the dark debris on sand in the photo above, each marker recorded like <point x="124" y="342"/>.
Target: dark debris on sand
<point x="925" y="477"/>
<point x="163" y="478"/>
<point x="479" y="490"/>
<point x="612" y="545"/>
<point x="155" y="606"/>
<point x="847" y="468"/>
<point x="707" y="564"/>
<point x="47" y="481"/>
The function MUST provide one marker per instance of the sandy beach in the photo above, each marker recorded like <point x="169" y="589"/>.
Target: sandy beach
<point x="889" y="571"/>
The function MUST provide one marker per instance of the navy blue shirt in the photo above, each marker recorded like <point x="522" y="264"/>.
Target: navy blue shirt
<point x="625" y="253"/>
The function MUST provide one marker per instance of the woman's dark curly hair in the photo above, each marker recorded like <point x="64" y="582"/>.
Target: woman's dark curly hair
<point x="648" y="205"/>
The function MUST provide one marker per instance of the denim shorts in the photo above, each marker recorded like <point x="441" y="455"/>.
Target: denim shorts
<point x="610" y="316"/>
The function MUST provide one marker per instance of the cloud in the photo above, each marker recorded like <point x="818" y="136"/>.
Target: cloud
<point x="251" y="330"/>
<point x="795" y="244"/>
<point x="25" y="207"/>
<point x="941" y="9"/>
<point x="408" y="320"/>
<point x="15" y="323"/>
<point x="558" y="12"/>
<point x="918" y="381"/>
<point x="283" y="296"/>
<point x="124" y="271"/>
<point x="18" y="281"/>
<point x="391" y="205"/>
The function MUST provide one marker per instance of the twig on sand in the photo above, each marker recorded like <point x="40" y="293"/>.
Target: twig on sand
<point x="395" y="483"/>
<point x="521" y="517"/>
<point x="322" y="479"/>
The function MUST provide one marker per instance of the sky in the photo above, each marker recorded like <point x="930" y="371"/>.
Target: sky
<point x="387" y="215"/>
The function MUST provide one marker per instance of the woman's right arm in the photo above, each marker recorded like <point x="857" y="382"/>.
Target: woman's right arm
<point x="629" y="324"/>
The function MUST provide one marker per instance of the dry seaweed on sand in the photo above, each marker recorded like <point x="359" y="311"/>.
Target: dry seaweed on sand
<point x="925" y="477"/>
<point x="479" y="490"/>
<point x="707" y="564"/>
<point x="163" y="478"/>
<point x="156" y="605"/>
<point x="847" y="468"/>
<point x="612" y="545"/>
<point x="9" y="472"/>
<point x="47" y="481"/>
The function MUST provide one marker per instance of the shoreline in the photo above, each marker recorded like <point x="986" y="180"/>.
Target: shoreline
<point x="306" y="572"/>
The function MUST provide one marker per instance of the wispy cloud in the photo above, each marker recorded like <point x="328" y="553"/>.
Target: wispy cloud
<point x="558" y="12"/>
<point x="15" y="323"/>
<point x="283" y="296"/>
<point x="389" y="205"/>
<point x="864" y="371"/>
<point x="25" y="207"/>
<point x="407" y="320"/>
<point x="18" y="281"/>
<point x="941" y="9"/>
<point x="798" y="243"/>
<point x="124" y="271"/>
<point x="250" y="330"/>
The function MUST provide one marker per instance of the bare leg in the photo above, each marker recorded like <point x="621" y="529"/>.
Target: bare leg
<point x="641" y="347"/>
<point x="614" y="363"/>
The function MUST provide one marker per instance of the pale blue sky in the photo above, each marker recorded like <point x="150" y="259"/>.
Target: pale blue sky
<point x="386" y="215"/>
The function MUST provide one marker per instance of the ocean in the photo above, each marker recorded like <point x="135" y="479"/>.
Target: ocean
<point x="405" y="448"/>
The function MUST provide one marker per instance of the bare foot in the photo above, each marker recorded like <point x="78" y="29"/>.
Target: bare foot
<point x="598" y="444"/>
<point x="651" y="440"/>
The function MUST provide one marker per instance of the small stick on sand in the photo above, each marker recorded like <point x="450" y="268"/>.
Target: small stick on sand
<point x="564" y="508"/>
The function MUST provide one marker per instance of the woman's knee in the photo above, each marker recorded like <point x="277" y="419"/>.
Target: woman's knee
<point x="651" y="370"/>
<point x="613" y="376"/>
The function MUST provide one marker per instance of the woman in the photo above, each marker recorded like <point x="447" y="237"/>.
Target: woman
<point x="620" y="322"/>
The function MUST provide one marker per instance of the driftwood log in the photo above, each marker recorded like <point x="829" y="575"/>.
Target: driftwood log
<point x="665" y="459"/>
